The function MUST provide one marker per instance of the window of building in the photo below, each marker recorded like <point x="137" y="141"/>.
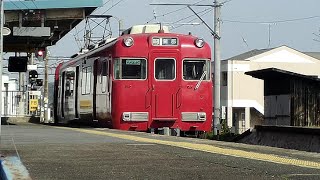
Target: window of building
<point x="224" y="78"/>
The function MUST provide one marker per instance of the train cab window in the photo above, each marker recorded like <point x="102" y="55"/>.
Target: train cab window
<point x="130" y="69"/>
<point x="165" y="69"/>
<point x="194" y="69"/>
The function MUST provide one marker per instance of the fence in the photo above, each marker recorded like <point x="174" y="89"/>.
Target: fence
<point x="20" y="103"/>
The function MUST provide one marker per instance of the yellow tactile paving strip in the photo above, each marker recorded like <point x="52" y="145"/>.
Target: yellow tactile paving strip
<point x="209" y="148"/>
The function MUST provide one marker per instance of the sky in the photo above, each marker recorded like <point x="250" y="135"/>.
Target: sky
<point x="246" y="24"/>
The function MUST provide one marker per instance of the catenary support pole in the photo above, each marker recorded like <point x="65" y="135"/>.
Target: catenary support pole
<point x="1" y="56"/>
<point x="46" y="96"/>
<point x="217" y="69"/>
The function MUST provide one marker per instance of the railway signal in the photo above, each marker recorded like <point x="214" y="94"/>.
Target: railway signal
<point x="33" y="74"/>
<point x="40" y="53"/>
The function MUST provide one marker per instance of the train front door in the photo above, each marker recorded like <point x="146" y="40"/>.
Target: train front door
<point x="165" y="85"/>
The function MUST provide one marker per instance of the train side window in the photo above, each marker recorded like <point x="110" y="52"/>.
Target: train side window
<point x="117" y="69"/>
<point x="130" y="69"/>
<point x="165" y="69"/>
<point x="86" y="80"/>
<point x="69" y="83"/>
<point x="194" y="69"/>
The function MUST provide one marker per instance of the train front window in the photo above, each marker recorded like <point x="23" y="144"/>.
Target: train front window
<point x="194" y="69"/>
<point x="165" y="69"/>
<point x="130" y="69"/>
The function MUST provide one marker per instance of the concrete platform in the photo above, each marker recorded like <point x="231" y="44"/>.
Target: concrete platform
<point x="50" y="152"/>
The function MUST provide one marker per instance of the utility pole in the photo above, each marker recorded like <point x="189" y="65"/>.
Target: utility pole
<point x="1" y="56"/>
<point x="46" y="96"/>
<point x="217" y="69"/>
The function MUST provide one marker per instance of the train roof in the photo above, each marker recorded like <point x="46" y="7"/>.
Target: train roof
<point x="147" y="28"/>
<point x="112" y="41"/>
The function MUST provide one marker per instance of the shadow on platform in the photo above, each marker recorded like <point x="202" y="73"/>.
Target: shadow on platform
<point x="299" y="138"/>
<point x="16" y="120"/>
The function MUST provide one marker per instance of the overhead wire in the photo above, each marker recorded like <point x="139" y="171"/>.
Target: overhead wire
<point x="191" y="15"/>
<point x="165" y="14"/>
<point x="227" y="1"/>
<point x="113" y="6"/>
<point x="205" y="12"/>
<point x="271" y="22"/>
<point x="105" y="3"/>
<point x="171" y="12"/>
<point x="103" y="13"/>
<point x="101" y="6"/>
<point x="34" y="4"/>
<point x="16" y="6"/>
<point x="24" y="4"/>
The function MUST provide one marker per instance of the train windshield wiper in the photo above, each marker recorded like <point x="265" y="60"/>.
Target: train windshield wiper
<point x="200" y="80"/>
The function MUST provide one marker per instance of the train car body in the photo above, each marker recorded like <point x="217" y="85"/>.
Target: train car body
<point x="139" y="82"/>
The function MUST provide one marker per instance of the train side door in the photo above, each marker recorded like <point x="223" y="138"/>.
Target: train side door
<point x="68" y="92"/>
<point x="77" y="93"/>
<point x="62" y="94"/>
<point x="164" y="85"/>
<point x="95" y="77"/>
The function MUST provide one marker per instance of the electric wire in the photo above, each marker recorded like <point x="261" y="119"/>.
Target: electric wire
<point x="103" y="13"/>
<point x="12" y="2"/>
<point x="200" y="12"/>
<point x="24" y="4"/>
<point x="271" y="22"/>
<point x="171" y="12"/>
<point x="101" y="6"/>
<point x="34" y="4"/>
<point x="113" y="6"/>
<point x="193" y="19"/>
<point x="105" y="3"/>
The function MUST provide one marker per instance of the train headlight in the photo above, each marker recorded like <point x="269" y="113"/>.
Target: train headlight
<point x="199" y="42"/>
<point x="126" y="116"/>
<point x="128" y="41"/>
<point x="202" y="116"/>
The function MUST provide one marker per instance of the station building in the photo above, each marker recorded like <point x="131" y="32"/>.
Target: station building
<point x="243" y="95"/>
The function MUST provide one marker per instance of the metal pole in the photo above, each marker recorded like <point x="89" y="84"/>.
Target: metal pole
<point x="21" y="84"/>
<point x="1" y="56"/>
<point x="217" y="69"/>
<point x="31" y="58"/>
<point x="120" y="27"/>
<point x="46" y="97"/>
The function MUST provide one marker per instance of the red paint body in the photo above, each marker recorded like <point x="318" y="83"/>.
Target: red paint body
<point x="163" y="100"/>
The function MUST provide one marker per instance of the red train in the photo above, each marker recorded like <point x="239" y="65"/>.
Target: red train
<point x="138" y="82"/>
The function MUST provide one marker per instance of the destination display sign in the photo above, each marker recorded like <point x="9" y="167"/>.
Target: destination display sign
<point x="164" y="41"/>
<point x="169" y="41"/>
<point x="133" y="62"/>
